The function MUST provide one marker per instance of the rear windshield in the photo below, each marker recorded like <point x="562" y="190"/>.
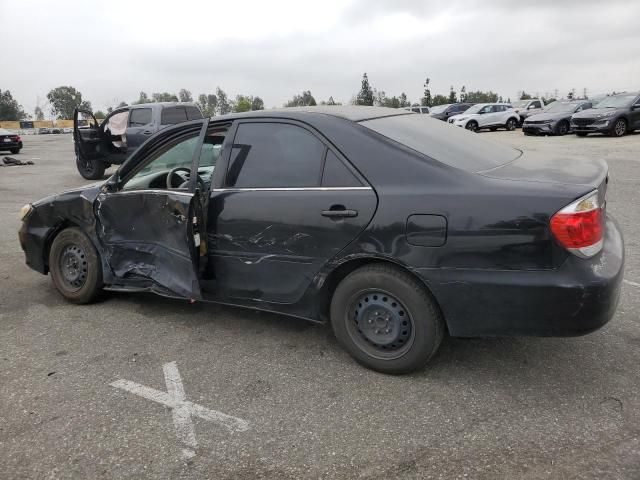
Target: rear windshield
<point x="446" y="143"/>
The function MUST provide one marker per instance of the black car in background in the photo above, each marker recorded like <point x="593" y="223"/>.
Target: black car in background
<point x="555" y="119"/>
<point x="392" y="226"/>
<point x="10" y="141"/>
<point x="614" y="115"/>
<point x="100" y="145"/>
<point x="443" y="112"/>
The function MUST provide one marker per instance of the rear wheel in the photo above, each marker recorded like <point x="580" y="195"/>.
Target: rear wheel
<point x="562" y="128"/>
<point x="619" y="128"/>
<point x="75" y="266"/>
<point x="472" y="125"/>
<point x="15" y="151"/>
<point x="386" y="320"/>
<point x="511" y="124"/>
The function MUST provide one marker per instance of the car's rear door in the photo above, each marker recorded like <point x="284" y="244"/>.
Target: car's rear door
<point x="286" y="204"/>
<point x="150" y="233"/>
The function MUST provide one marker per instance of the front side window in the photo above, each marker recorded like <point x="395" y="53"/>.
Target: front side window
<point x="536" y="105"/>
<point x="140" y="117"/>
<point x="268" y="155"/>
<point x="153" y="172"/>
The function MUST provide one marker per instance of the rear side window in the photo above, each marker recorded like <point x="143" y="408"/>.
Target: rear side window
<point x="172" y="115"/>
<point x="445" y="143"/>
<point x="193" y="113"/>
<point x="336" y="174"/>
<point x="268" y="155"/>
<point x="140" y="117"/>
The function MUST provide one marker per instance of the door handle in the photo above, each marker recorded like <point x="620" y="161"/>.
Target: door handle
<point x="339" y="213"/>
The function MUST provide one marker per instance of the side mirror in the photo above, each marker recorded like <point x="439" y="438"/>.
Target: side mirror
<point x="531" y="107"/>
<point x="636" y="106"/>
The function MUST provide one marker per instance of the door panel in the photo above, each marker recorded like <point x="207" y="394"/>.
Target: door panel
<point x="268" y="244"/>
<point x="147" y="234"/>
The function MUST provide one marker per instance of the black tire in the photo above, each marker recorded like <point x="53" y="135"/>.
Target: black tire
<point x="562" y="128"/>
<point x="75" y="266"/>
<point x="15" y="151"/>
<point x="581" y="134"/>
<point x="90" y="169"/>
<point x="511" y="124"/>
<point x="396" y="330"/>
<point x="619" y="128"/>
<point x="472" y="125"/>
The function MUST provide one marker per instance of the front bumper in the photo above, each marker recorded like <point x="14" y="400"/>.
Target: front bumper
<point x="596" y="127"/>
<point x="538" y="128"/>
<point x="577" y="298"/>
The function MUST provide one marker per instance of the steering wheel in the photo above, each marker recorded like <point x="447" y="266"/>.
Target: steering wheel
<point x="182" y="173"/>
<point x="179" y="172"/>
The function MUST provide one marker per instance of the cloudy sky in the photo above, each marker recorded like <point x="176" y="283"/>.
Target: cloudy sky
<point x="110" y="50"/>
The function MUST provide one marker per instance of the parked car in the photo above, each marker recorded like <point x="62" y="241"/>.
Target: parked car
<point x="43" y="131"/>
<point x="121" y="133"/>
<point x="55" y="130"/>
<point x="487" y="115"/>
<point x="10" y="141"/>
<point x="614" y="115"/>
<point x="393" y="227"/>
<point x="555" y="119"/>
<point x="443" y="112"/>
<point x="67" y="130"/>
<point x="423" y="110"/>
<point x="526" y="108"/>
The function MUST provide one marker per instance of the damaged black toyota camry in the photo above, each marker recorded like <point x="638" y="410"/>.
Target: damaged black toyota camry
<point x="392" y="226"/>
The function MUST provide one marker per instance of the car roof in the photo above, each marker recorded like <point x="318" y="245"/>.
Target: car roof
<point x="355" y="113"/>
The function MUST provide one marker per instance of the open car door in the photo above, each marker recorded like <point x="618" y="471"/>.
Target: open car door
<point x="149" y="216"/>
<point x="97" y="146"/>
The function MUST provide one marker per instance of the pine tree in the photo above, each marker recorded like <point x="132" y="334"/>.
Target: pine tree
<point x="426" y="99"/>
<point x="365" y="96"/>
<point x="452" y="95"/>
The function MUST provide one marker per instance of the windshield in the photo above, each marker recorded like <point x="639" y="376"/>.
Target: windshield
<point x="557" y="107"/>
<point x="439" y="108"/>
<point x="520" y="103"/>
<point x="475" y="108"/>
<point x="616" y="101"/>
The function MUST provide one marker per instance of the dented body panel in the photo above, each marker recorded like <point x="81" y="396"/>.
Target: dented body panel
<point x="479" y="241"/>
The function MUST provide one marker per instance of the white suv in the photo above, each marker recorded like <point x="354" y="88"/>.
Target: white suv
<point x="487" y="115"/>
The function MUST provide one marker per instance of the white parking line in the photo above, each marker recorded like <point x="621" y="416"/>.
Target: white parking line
<point x="182" y="409"/>
<point x="629" y="282"/>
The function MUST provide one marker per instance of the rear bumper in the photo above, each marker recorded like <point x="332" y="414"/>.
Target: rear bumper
<point x="10" y="145"/>
<point x="577" y="298"/>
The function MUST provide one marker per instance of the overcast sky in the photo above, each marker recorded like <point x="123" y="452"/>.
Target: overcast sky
<point x="110" y="50"/>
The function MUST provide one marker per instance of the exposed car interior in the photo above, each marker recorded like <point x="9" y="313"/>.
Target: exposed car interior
<point x="170" y="168"/>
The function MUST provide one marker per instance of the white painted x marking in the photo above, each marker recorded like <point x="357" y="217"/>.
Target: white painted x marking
<point x="182" y="409"/>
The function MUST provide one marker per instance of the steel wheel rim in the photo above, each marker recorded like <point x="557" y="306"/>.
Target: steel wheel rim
<point x="472" y="126"/>
<point x="620" y="128"/>
<point x="73" y="267"/>
<point x="380" y="325"/>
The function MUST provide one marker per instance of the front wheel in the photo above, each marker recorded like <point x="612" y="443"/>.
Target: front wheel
<point x="472" y="125"/>
<point x="90" y="169"/>
<point x="386" y="320"/>
<point x="511" y="124"/>
<point x="562" y="128"/>
<point x="75" y="266"/>
<point x="619" y="128"/>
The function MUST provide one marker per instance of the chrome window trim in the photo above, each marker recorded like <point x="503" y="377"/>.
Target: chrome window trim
<point x="152" y="190"/>
<point x="288" y="189"/>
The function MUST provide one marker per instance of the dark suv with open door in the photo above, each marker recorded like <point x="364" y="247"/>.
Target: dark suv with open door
<point x="98" y="146"/>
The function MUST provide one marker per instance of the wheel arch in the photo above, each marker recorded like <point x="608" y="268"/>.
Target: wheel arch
<point x="342" y="270"/>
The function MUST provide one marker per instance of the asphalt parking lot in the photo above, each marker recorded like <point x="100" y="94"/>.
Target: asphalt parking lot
<point x="484" y="408"/>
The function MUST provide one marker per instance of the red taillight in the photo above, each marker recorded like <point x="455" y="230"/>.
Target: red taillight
<point x="579" y="227"/>
<point x="16" y="138"/>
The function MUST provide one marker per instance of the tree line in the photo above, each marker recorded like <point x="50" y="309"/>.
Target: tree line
<point x="64" y="99"/>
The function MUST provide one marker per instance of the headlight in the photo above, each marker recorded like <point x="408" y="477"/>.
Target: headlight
<point x="461" y="119"/>
<point x="25" y="211"/>
<point x="607" y="114"/>
<point x="548" y="121"/>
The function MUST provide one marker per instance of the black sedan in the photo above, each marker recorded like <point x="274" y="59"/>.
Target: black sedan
<point x="555" y="119"/>
<point x="10" y="141"/>
<point x="392" y="226"/>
